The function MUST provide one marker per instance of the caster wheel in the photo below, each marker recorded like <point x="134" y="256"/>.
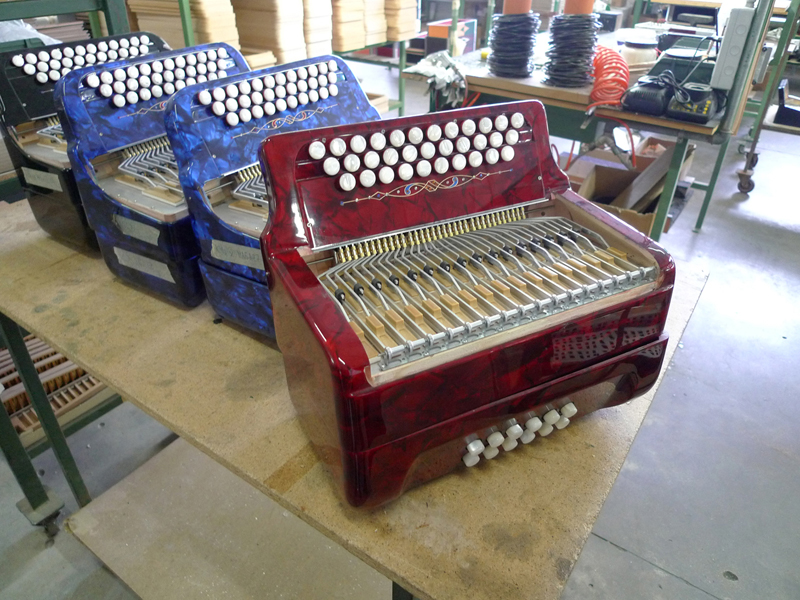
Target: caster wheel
<point x="753" y="161"/>
<point x="746" y="185"/>
<point x="742" y="149"/>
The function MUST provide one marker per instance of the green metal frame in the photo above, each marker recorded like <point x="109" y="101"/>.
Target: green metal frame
<point x="114" y="10"/>
<point x="400" y="103"/>
<point x="186" y="22"/>
<point x="15" y="343"/>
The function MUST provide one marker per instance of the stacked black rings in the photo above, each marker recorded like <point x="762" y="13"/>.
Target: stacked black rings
<point x="572" y="43"/>
<point x="512" y="42"/>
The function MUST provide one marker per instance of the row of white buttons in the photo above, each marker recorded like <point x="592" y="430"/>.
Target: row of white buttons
<point x="266" y="88"/>
<point x="515" y="434"/>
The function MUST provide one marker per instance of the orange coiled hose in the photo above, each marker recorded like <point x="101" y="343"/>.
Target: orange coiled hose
<point x="611" y="77"/>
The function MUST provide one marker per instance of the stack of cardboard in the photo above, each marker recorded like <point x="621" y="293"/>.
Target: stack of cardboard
<point x="275" y="25"/>
<point x="374" y="22"/>
<point x="349" y="27"/>
<point x="260" y="60"/>
<point x="401" y="20"/>
<point x="212" y="20"/>
<point x="318" y="27"/>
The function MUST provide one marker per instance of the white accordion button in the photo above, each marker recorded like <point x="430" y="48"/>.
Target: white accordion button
<point x="367" y="178"/>
<point x="332" y="80"/>
<point x="269" y="95"/>
<point x="169" y="88"/>
<point x="459" y="162"/>
<point x="158" y="92"/>
<point x="291" y="102"/>
<point x="280" y="79"/>
<point x="551" y="417"/>
<point x="145" y="95"/>
<point x="475" y="159"/>
<point x="409" y="153"/>
<point x="352" y="163"/>
<point x="533" y="424"/>
<point x="323" y="93"/>
<point x="132" y="71"/>
<point x="507" y="153"/>
<point x="330" y="166"/>
<point x="280" y="104"/>
<point x="347" y="182"/>
<point x="222" y="53"/>
<point x="440" y="165"/>
<point x="291" y="76"/>
<point x="475" y="447"/>
<point x="302" y="98"/>
<point x="244" y="87"/>
<point x="405" y="171"/>
<point x="415" y="135"/>
<point x="492" y="156"/>
<point x="390" y="156"/>
<point x="451" y="130"/>
<point x="546" y="430"/>
<point x="322" y="68"/>
<point x="113" y="44"/>
<point x="31" y="59"/>
<point x="485" y="125"/>
<point x="517" y="120"/>
<point x="257" y="111"/>
<point x="43" y="55"/>
<point x="42" y="78"/>
<point x="495" y="439"/>
<point x="471" y="459"/>
<point x="377" y="141"/>
<point x="280" y="91"/>
<point x="427" y="150"/>
<point x="291" y="88"/>
<point x="468" y="127"/>
<point x="397" y="138"/>
<point x="501" y="123"/>
<point x="512" y="137"/>
<point x="569" y="410"/>
<point x="257" y="84"/>
<point x="434" y="133"/>
<point x="119" y="74"/>
<point x="54" y="75"/>
<point x="269" y="81"/>
<point x="180" y="62"/>
<point x="30" y="69"/>
<point x="358" y="144"/>
<point x="445" y="147"/>
<point x="302" y="73"/>
<point x="322" y="80"/>
<point x="515" y="431"/>
<point x="312" y="83"/>
<point x="527" y="437"/>
<point x="245" y="115"/>
<point x="496" y="139"/>
<point x="144" y="81"/>
<point x="332" y="65"/>
<point x="337" y="146"/>
<point x="211" y="55"/>
<point x="462" y="145"/>
<point x="316" y="150"/>
<point x="18" y="60"/>
<point x="232" y="119"/>
<point x="257" y="98"/>
<point x="510" y="444"/>
<point x="386" y="175"/>
<point x="490" y="452"/>
<point x="313" y="96"/>
<point x="132" y="84"/>
<point x="93" y="81"/>
<point x="423" y="168"/>
<point x="561" y="423"/>
<point x="269" y="108"/>
<point x="118" y="101"/>
<point x="119" y="87"/>
<point x="231" y="90"/>
<point x="231" y="104"/>
<point x="371" y="159"/>
<point x="312" y="70"/>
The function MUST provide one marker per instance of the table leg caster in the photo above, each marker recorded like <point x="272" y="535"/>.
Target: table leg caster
<point x="746" y="183"/>
<point x="751" y="163"/>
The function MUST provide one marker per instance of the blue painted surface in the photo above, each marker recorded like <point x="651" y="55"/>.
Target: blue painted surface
<point x="206" y="148"/>
<point x="238" y="299"/>
<point x="94" y="127"/>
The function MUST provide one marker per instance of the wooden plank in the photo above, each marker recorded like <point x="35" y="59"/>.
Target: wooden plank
<point x="225" y="393"/>
<point x="645" y="182"/>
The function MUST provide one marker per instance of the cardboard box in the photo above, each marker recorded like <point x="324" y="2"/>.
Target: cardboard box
<point x="603" y="184"/>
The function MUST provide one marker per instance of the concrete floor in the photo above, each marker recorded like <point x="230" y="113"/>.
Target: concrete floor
<point x="705" y="505"/>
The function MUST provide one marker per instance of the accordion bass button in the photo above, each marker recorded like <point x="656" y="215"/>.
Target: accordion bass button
<point x="552" y="417"/>
<point x="533" y="424"/>
<point x="510" y="444"/>
<point x="562" y="422"/>
<point x="490" y="453"/>
<point x="527" y="437"/>
<point x="495" y="439"/>
<point x="515" y="432"/>
<point x="546" y="430"/>
<point x="475" y="447"/>
<point x="569" y="410"/>
<point x="471" y="459"/>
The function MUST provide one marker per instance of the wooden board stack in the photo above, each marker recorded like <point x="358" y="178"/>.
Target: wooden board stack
<point x="212" y="20"/>
<point x="401" y="20"/>
<point x="260" y="60"/>
<point x="375" y="21"/>
<point x="275" y="25"/>
<point x="349" y="27"/>
<point x="318" y="27"/>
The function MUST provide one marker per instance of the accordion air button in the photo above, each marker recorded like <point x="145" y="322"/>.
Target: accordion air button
<point x="533" y="424"/>
<point x="475" y="159"/>
<point x="377" y="141"/>
<point x="93" y="81"/>
<point x="367" y="178"/>
<point x="41" y="77"/>
<point x="316" y="150"/>
<point x="390" y="156"/>
<point x="546" y="430"/>
<point x="405" y="171"/>
<point x="434" y="133"/>
<point x="331" y="166"/>
<point x="490" y="452"/>
<point x="232" y="119"/>
<point x="386" y="175"/>
<point x="501" y="123"/>
<point x="118" y="101"/>
<point x="451" y="130"/>
<point x="347" y="182"/>
<point x="485" y="125"/>
<point x="30" y="69"/>
<point x="415" y="135"/>
<point x="468" y="127"/>
<point x="18" y="60"/>
<point x="371" y="159"/>
<point x="507" y="153"/>
<point x="476" y="447"/>
<point x="562" y="422"/>
<point x="495" y="439"/>
<point x="551" y="417"/>
<point x="515" y="431"/>
<point x="517" y="120"/>
<point x="358" y="144"/>
<point x="423" y="168"/>
<point x="527" y="437"/>
<point x="569" y="410"/>
<point x="512" y="137"/>
<point x="492" y="156"/>
<point x="471" y="459"/>
<point x="510" y="444"/>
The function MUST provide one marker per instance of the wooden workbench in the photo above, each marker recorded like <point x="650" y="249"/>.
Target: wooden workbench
<point x="511" y="528"/>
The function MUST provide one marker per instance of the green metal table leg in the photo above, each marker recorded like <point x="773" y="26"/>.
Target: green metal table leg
<point x="95" y="24"/>
<point x="669" y="186"/>
<point x="637" y="12"/>
<point x="401" y="83"/>
<point x="186" y="22"/>
<point x="19" y="462"/>
<point x="116" y="17"/>
<point x="398" y="593"/>
<point x="30" y="379"/>
<point x="712" y="183"/>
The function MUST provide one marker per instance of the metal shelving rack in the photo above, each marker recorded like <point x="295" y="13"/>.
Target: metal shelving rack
<point x="400" y="103"/>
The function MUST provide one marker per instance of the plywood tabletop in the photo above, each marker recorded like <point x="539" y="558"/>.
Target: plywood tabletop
<point x="511" y="528"/>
